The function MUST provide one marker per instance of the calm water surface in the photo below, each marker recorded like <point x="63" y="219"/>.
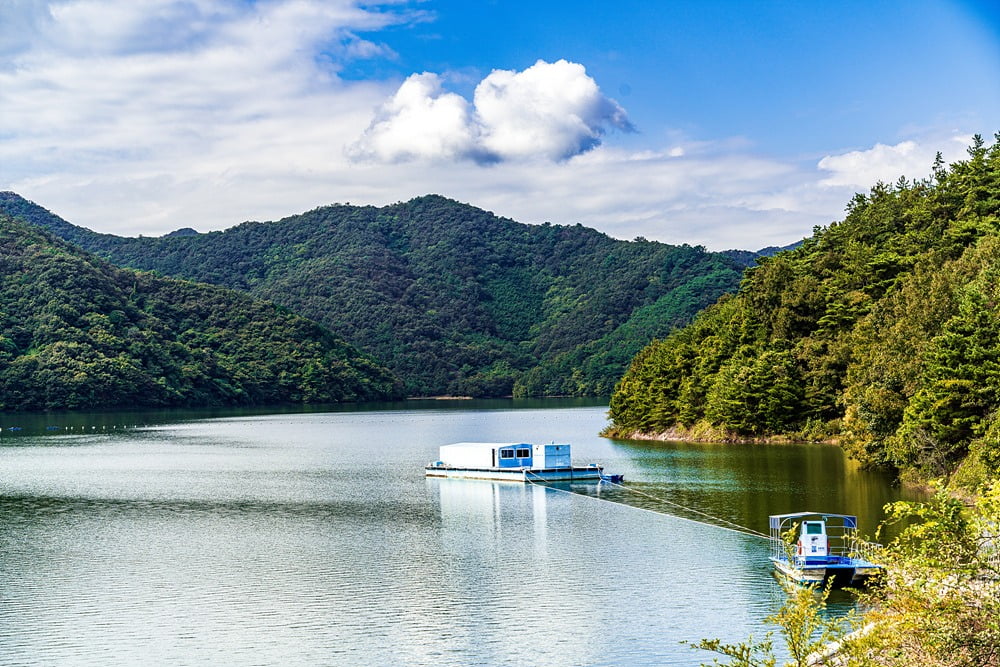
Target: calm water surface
<point x="314" y="539"/>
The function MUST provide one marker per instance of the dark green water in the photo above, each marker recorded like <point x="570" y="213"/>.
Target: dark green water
<point x="313" y="538"/>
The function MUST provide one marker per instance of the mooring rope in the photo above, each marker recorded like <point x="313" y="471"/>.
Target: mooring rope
<point x="732" y="526"/>
<point x="735" y="526"/>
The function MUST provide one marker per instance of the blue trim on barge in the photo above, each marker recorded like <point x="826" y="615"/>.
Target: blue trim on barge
<point x="591" y="472"/>
<point x="827" y="548"/>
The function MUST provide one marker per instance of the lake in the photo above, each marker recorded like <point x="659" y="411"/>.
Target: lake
<point x="313" y="538"/>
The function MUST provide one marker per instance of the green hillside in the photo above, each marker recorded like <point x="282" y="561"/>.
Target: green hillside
<point x="882" y="331"/>
<point x="452" y="298"/>
<point x="78" y="333"/>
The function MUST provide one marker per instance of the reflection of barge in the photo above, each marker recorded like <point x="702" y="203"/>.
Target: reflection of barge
<point x="511" y="461"/>
<point x="826" y="547"/>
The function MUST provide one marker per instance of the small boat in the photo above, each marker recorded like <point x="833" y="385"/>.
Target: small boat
<point x="513" y="461"/>
<point x="826" y="547"/>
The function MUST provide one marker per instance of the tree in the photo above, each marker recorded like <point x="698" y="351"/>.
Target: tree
<point x="960" y="384"/>
<point x="939" y="601"/>
<point x="802" y="625"/>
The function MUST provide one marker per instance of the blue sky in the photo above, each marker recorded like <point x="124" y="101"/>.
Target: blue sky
<point x="791" y="77"/>
<point x="722" y="123"/>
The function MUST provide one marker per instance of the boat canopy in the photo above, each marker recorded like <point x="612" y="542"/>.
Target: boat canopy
<point x="823" y="546"/>
<point x="776" y="521"/>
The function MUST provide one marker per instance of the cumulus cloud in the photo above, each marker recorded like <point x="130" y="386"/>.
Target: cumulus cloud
<point x="145" y="117"/>
<point x="420" y="121"/>
<point x="163" y="102"/>
<point x="550" y="110"/>
<point x="911" y="158"/>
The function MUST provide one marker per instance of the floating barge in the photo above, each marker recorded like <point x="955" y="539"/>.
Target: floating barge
<point x="826" y="547"/>
<point x="514" y="462"/>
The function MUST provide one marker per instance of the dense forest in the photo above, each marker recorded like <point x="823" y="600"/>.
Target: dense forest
<point x="78" y="333"/>
<point x="881" y="331"/>
<point x="453" y="299"/>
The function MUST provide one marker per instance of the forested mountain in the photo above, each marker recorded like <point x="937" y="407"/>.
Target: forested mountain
<point x="76" y="332"/>
<point x="452" y="298"/>
<point x="882" y="330"/>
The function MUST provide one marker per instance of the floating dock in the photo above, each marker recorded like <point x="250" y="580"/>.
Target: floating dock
<point x="512" y="461"/>
<point x="826" y="548"/>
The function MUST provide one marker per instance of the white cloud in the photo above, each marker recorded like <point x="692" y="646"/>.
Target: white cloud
<point x="420" y="121"/>
<point x="911" y="158"/>
<point x="164" y="103"/>
<point x="145" y="117"/>
<point x="550" y="110"/>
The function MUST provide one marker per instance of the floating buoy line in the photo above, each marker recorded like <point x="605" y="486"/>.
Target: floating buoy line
<point x="727" y="524"/>
<point x="72" y="429"/>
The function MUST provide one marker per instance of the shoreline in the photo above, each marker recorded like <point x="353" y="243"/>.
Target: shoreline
<point x="710" y="435"/>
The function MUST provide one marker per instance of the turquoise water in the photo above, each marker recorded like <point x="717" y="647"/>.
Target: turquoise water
<point x="314" y="539"/>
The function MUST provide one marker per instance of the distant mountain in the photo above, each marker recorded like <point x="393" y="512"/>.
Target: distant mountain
<point x="453" y="299"/>
<point x="186" y="231"/>
<point x="78" y="333"/>
<point x="748" y="257"/>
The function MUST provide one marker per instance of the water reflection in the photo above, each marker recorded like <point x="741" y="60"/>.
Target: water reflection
<point x="484" y="507"/>
<point x="747" y="483"/>
<point x="314" y="539"/>
<point x="568" y="566"/>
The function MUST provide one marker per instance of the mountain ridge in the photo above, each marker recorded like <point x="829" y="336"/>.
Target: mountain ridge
<point x="455" y="300"/>
<point x="79" y="333"/>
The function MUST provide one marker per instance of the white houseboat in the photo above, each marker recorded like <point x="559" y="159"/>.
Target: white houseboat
<point x="512" y="461"/>
<point x="826" y="547"/>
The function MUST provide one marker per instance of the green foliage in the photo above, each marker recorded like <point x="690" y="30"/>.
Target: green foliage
<point x="885" y="327"/>
<point x="77" y="333"/>
<point x="959" y="387"/>
<point x="758" y="395"/>
<point x="939" y="601"/>
<point x="744" y="654"/>
<point x="802" y="625"/>
<point x="452" y="298"/>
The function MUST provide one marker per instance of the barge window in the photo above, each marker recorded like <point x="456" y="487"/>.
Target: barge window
<point x="523" y="453"/>
<point x="506" y="453"/>
<point x="814" y="528"/>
